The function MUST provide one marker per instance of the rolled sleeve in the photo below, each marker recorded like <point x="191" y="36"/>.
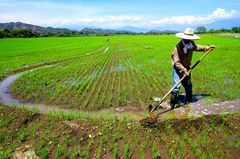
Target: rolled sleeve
<point x="200" y="48"/>
<point x="176" y="61"/>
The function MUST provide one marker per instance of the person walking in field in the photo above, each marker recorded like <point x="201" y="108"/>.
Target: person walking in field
<point x="181" y="60"/>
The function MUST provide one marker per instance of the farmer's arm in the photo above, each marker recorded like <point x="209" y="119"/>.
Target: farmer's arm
<point x="201" y="47"/>
<point x="177" y="62"/>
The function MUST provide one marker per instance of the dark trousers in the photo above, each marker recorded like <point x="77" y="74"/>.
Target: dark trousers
<point x="187" y="84"/>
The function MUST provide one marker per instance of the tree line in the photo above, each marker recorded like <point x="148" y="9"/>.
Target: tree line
<point x="28" y="33"/>
<point x="202" y="29"/>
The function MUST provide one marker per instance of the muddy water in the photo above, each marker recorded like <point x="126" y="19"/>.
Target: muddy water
<point x="5" y="95"/>
<point x="197" y="109"/>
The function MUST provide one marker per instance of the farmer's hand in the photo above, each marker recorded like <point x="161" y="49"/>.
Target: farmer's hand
<point x="186" y="73"/>
<point x="210" y="47"/>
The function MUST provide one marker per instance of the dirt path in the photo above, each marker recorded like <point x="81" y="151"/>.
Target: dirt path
<point x="196" y="109"/>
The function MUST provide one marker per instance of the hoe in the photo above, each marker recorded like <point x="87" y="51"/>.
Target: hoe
<point x="156" y="105"/>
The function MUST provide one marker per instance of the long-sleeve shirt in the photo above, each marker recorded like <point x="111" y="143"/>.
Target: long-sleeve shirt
<point x="183" y="60"/>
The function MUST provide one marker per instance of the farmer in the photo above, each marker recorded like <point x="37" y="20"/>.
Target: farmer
<point x="181" y="60"/>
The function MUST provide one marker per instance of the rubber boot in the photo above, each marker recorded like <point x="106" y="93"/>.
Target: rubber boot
<point x="173" y="100"/>
<point x="189" y="96"/>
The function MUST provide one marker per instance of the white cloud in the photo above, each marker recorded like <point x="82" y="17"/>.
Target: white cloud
<point x="51" y="14"/>
<point x="218" y="14"/>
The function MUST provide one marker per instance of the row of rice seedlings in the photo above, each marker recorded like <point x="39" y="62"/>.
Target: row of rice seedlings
<point x="70" y="88"/>
<point x="82" y="89"/>
<point x="96" y="81"/>
<point x="129" y="82"/>
<point x="39" y="83"/>
<point x="159" y="81"/>
<point x="219" y="131"/>
<point x="29" y="88"/>
<point x="92" y="62"/>
<point x="115" y="139"/>
<point x="93" y="82"/>
<point x="179" y="146"/>
<point x="109" y="89"/>
<point x="119" y="90"/>
<point x="87" y="71"/>
<point x="155" y="152"/>
<point x="132" y="64"/>
<point x="67" y="88"/>
<point x="61" y="86"/>
<point x="193" y="145"/>
<point x="56" y="88"/>
<point x="141" y="72"/>
<point x="140" y="102"/>
<point x="100" y="87"/>
<point x="145" y="86"/>
<point x="125" y="92"/>
<point x="102" y="101"/>
<point x="124" y="83"/>
<point x="116" y="90"/>
<point x="167" y="143"/>
<point x="210" y="137"/>
<point x="110" y="101"/>
<point x="103" y="140"/>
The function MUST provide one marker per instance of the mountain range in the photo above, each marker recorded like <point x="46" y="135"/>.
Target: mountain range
<point x="86" y="30"/>
<point x="167" y="29"/>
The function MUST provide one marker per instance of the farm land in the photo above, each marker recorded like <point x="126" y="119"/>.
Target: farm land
<point x="89" y="74"/>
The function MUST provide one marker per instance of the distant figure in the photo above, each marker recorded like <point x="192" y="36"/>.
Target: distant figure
<point x="107" y="39"/>
<point x="181" y="60"/>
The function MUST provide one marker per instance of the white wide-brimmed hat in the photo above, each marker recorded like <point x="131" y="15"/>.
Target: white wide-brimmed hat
<point x="188" y="35"/>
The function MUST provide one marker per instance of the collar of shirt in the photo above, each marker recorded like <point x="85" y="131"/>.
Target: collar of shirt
<point x="187" y="46"/>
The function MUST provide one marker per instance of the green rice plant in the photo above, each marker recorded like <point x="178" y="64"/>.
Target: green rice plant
<point x="129" y="81"/>
<point x="96" y="82"/>
<point x="110" y="102"/>
<point x="5" y="121"/>
<point x="89" y="146"/>
<point x="115" y="151"/>
<point x="3" y="134"/>
<point x="119" y="90"/>
<point x="155" y="152"/>
<point x="78" y="153"/>
<point x="194" y="148"/>
<point x="125" y="94"/>
<point x="80" y="87"/>
<point x="105" y="91"/>
<point x="126" y="152"/>
<point x="67" y="140"/>
<point x="90" y="81"/>
<point x="149" y="65"/>
<point x="22" y="136"/>
<point x="137" y="88"/>
<point x="60" y="152"/>
<point x="2" y="155"/>
<point x="96" y="98"/>
<point x="32" y="130"/>
<point x="44" y="153"/>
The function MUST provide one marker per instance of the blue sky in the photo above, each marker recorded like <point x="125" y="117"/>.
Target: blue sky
<point x="119" y="13"/>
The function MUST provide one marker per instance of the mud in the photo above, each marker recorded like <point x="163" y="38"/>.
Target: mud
<point x="199" y="109"/>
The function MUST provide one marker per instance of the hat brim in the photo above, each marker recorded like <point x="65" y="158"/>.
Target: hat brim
<point x="187" y="37"/>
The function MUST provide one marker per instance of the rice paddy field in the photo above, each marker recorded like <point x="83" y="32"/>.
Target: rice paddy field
<point x="90" y="74"/>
